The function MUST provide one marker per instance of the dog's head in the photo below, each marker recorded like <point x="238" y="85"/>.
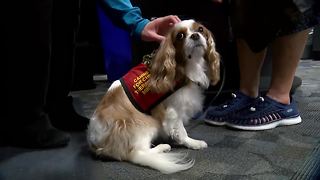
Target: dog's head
<point x="187" y="53"/>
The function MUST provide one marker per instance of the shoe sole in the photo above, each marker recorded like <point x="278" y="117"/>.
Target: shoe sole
<point x="215" y="123"/>
<point x="283" y="122"/>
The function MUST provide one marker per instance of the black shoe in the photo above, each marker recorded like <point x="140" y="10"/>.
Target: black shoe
<point x="38" y="134"/>
<point x="65" y="117"/>
<point x="316" y="55"/>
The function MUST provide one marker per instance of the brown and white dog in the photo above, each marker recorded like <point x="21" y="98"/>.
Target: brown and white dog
<point x="184" y="65"/>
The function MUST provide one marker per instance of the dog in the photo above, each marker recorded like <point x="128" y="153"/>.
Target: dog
<point x="183" y="67"/>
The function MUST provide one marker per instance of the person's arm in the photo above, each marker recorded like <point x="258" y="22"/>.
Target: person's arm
<point x="129" y="17"/>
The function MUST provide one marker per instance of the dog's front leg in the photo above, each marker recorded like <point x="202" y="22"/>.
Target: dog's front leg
<point x="175" y="129"/>
<point x="180" y="136"/>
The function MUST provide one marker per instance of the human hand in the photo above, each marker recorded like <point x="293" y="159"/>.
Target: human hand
<point x="157" y="28"/>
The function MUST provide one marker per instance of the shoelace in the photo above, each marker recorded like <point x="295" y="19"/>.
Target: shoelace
<point x="259" y="104"/>
<point x="230" y="102"/>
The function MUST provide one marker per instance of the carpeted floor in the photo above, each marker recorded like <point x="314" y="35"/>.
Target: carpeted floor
<point x="291" y="152"/>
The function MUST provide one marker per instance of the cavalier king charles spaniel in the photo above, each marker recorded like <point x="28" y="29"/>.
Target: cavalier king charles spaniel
<point x="156" y="100"/>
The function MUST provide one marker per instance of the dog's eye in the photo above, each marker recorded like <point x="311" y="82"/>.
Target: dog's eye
<point x="180" y="36"/>
<point x="200" y="29"/>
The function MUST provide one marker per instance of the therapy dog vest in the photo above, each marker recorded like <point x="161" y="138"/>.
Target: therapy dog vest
<point x="134" y="84"/>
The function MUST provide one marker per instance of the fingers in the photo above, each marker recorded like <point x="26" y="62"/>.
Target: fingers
<point x="163" y="24"/>
<point x="156" y="29"/>
<point x="171" y="19"/>
<point x="175" y="19"/>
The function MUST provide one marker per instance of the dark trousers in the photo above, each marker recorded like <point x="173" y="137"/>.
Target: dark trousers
<point x="39" y="41"/>
<point x="62" y="64"/>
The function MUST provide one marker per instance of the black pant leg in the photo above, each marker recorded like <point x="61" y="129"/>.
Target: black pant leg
<point x="63" y="39"/>
<point x="28" y="47"/>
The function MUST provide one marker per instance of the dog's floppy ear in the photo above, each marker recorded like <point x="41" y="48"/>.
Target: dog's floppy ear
<point x="213" y="59"/>
<point x="163" y="67"/>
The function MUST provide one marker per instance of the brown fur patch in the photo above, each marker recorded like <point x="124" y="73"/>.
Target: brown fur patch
<point x="122" y="121"/>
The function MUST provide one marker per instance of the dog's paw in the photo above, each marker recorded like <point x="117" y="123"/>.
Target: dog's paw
<point x="196" y="144"/>
<point x="162" y="148"/>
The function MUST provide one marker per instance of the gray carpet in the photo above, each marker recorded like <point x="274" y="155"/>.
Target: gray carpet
<point x="291" y="152"/>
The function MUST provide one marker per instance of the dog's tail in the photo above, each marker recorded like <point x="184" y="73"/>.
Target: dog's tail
<point x="165" y="162"/>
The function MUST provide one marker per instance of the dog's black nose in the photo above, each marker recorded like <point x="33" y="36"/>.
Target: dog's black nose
<point x="195" y="36"/>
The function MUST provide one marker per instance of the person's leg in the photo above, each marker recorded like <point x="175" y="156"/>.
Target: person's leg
<point x="286" y="53"/>
<point x="28" y="43"/>
<point x="59" y="103"/>
<point x="276" y="108"/>
<point x="250" y="64"/>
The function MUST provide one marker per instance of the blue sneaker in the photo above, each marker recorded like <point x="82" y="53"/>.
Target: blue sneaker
<point x="218" y="115"/>
<point x="265" y="113"/>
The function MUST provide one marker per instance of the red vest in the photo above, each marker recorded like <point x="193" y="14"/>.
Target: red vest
<point x="134" y="84"/>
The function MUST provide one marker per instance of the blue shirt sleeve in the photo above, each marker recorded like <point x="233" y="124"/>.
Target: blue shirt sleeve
<point x="122" y="12"/>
